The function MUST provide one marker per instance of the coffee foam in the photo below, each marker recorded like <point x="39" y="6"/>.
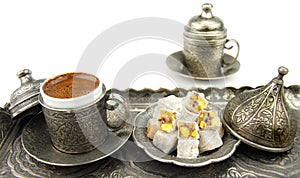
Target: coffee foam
<point x="70" y="85"/>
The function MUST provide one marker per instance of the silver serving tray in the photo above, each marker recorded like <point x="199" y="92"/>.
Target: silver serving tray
<point x="229" y="146"/>
<point x="245" y="162"/>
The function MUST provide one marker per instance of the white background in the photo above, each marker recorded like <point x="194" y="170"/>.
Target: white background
<point x="50" y="37"/>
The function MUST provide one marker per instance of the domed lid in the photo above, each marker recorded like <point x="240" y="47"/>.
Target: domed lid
<point x="26" y="96"/>
<point x="206" y="22"/>
<point x="262" y="118"/>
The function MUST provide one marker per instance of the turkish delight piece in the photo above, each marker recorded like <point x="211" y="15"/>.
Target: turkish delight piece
<point x="188" y="149"/>
<point x="167" y="120"/>
<point x="195" y="102"/>
<point x="152" y="128"/>
<point x="187" y="130"/>
<point x="210" y="120"/>
<point x="171" y="102"/>
<point x="209" y="140"/>
<point x="165" y="141"/>
<point x="188" y="115"/>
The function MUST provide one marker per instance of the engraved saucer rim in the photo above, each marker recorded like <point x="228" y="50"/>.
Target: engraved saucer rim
<point x="230" y="70"/>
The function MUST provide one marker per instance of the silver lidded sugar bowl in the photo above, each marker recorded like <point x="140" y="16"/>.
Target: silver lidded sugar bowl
<point x="205" y="38"/>
<point x="262" y="117"/>
<point x="26" y="96"/>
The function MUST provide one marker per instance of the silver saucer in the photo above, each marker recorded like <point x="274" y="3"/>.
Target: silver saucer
<point x="175" y="62"/>
<point x="36" y="142"/>
<point x="140" y="138"/>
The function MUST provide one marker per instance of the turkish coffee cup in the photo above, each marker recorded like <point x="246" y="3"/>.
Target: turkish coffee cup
<point x="75" y="108"/>
<point x="205" y="57"/>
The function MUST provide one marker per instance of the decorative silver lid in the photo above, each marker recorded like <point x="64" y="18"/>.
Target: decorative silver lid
<point x="206" y="21"/>
<point x="262" y="117"/>
<point x="206" y="25"/>
<point x="26" y="96"/>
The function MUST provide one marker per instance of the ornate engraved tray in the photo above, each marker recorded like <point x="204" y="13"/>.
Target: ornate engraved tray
<point x="132" y="161"/>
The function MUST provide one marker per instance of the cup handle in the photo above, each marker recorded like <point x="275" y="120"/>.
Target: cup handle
<point x="116" y="104"/>
<point x="227" y="63"/>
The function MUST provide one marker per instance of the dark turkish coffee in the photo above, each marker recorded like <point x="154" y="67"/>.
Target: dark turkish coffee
<point x="71" y="85"/>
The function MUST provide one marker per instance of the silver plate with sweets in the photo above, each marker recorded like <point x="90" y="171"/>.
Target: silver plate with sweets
<point x="185" y="131"/>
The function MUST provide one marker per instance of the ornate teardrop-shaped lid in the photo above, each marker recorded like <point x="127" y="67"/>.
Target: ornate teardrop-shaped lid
<point x="262" y="118"/>
<point x="26" y="96"/>
<point x="206" y="21"/>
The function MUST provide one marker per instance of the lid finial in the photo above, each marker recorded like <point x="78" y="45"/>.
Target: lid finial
<point x="25" y="76"/>
<point x="206" y="11"/>
<point x="282" y="72"/>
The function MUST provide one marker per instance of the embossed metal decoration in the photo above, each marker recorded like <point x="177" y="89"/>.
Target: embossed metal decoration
<point x="262" y="117"/>
<point x="245" y="162"/>
<point x="26" y="96"/>
<point x="140" y="137"/>
<point x="5" y="123"/>
<point x="37" y="143"/>
<point x="83" y="129"/>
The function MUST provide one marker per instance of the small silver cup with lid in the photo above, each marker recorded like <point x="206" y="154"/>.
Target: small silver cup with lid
<point x="205" y="38"/>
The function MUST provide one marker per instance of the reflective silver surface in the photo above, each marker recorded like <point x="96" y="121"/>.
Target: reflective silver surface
<point x="262" y="117"/>
<point x="140" y="137"/>
<point x="26" y="96"/>
<point x="5" y="123"/>
<point x="176" y="63"/>
<point x="205" y="39"/>
<point x="77" y="130"/>
<point x="206" y="21"/>
<point x="245" y="162"/>
<point x="37" y="143"/>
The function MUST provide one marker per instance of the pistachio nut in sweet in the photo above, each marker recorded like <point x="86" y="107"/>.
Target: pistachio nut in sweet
<point x="262" y="118"/>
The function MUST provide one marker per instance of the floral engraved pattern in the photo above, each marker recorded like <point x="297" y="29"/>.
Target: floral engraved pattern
<point x="197" y="55"/>
<point x="5" y="123"/>
<point x="261" y="125"/>
<point x="282" y="125"/>
<point x="28" y="89"/>
<point x="245" y="162"/>
<point x="76" y="130"/>
<point x="233" y="172"/>
<point x="25" y="105"/>
<point x="255" y="115"/>
<point x="247" y="109"/>
<point x="262" y="116"/>
<point x="209" y="53"/>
